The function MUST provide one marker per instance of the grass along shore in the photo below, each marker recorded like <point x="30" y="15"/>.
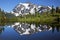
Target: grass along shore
<point x="37" y="18"/>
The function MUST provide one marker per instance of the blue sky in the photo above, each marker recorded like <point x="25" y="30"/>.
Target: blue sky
<point x="8" y="5"/>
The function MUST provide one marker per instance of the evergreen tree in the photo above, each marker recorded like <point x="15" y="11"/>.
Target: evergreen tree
<point x="35" y="10"/>
<point x="2" y="15"/>
<point x="0" y="9"/>
<point x="57" y="10"/>
<point x="52" y="10"/>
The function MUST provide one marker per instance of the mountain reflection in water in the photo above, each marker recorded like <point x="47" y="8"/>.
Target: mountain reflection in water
<point x="25" y="28"/>
<point x="19" y="31"/>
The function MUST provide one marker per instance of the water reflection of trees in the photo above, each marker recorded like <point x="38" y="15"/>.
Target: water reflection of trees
<point x="56" y="24"/>
<point x="55" y="28"/>
<point x="1" y="29"/>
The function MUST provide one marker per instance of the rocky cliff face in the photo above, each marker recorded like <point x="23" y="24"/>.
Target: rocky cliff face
<point x="26" y="8"/>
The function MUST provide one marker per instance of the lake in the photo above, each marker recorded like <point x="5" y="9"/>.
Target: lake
<point x="25" y="31"/>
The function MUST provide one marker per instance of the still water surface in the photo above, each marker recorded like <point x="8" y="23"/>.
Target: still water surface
<point x="9" y="33"/>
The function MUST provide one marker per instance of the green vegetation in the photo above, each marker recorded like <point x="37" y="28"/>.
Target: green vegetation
<point x="36" y="18"/>
<point x="49" y="18"/>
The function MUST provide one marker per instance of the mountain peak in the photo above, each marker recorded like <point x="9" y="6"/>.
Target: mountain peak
<point x="26" y="8"/>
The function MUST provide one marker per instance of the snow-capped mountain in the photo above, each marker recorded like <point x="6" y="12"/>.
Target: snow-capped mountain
<point x="26" y="8"/>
